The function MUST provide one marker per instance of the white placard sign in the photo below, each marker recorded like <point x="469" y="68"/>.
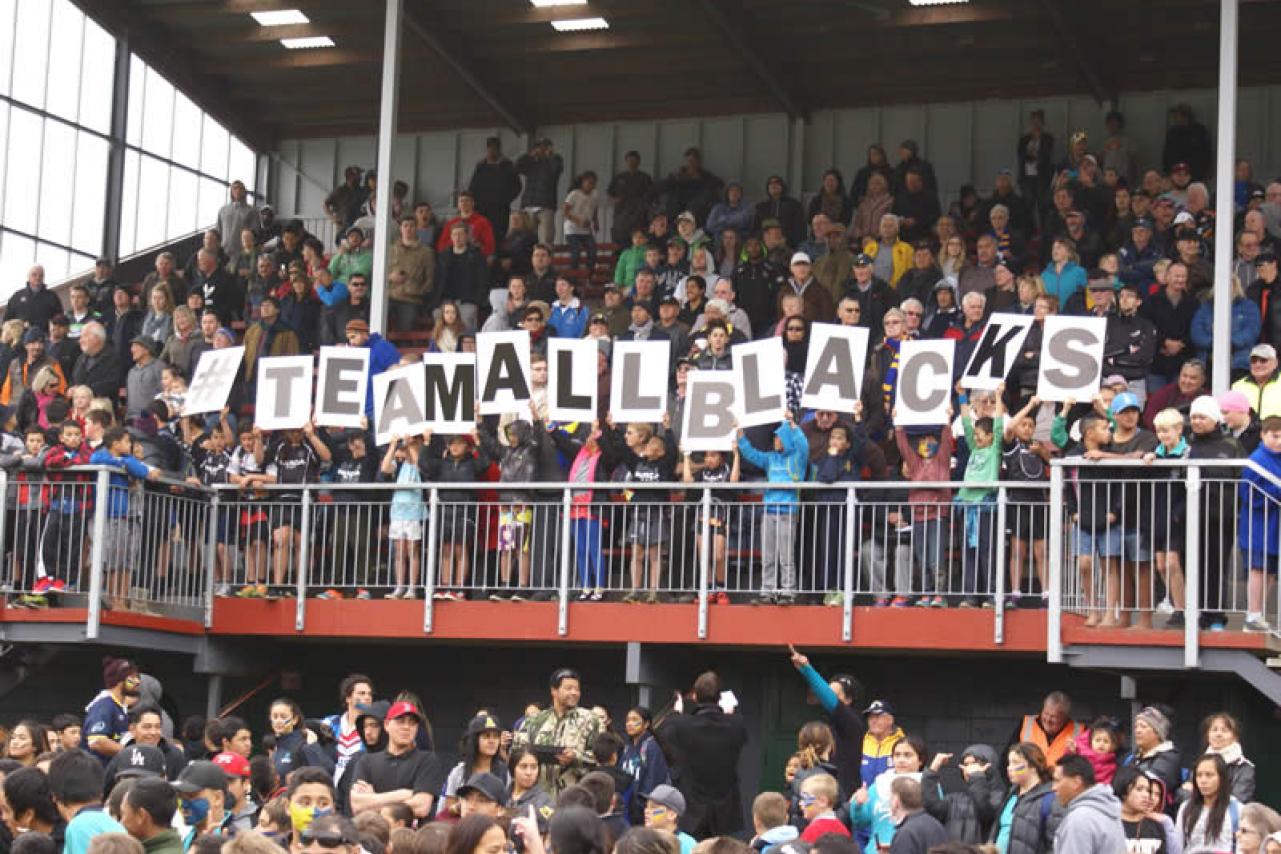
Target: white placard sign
<point x="283" y="400"/>
<point x="760" y="383"/>
<point x="924" y="391"/>
<point x="342" y="386"/>
<point x="638" y="385"/>
<point x="502" y="359"/>
<point x="834" y="367"/>
<point x="1071" y="357"/>
<point x="996" y="351"/>
<point x="571" y="379"/>
<point x="449" y="392"/>
<point x="400" y="396"/>
<point x="216" y="372"/>
<point x="709" y="412"/>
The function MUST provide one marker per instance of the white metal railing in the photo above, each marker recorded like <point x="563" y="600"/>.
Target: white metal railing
<point x="172" y="547"/>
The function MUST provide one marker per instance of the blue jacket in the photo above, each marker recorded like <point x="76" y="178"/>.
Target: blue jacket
<point x="786" y="466"/>
<point x="118" y="492"/>
<point x="1063" y="285"/>
<point x="383" y="356"/>
<point x="568" y="322"/>
<point x="1136" y="265"/>
<point x="1260" y="498"/>
<point x="647" y="765"/>
<point x="724" y="216"/>
<point x="1247" y="323"/>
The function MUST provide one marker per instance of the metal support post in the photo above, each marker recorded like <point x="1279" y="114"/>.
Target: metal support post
<point x="113" y="210"/>
<point x="1192" y="572"/>
<point x="847" y="583"/>
<point x="998" y="633"/>
<point x="304" y="554"/>
<point x="1054" y="619"/>
<point x="211" y="555"/>
<point x="387" y="101"/>
<point x="566" y="549"/>
<point x="704" y="562"/>
<point x="1224" y="179"/>
<point x="102" y="494"/>
<point x="213" y="700"/>
<point x="433" y="558"/>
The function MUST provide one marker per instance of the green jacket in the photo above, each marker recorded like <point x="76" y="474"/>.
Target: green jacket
<point x="344" y="264"/>
<point x="984" y="463"/>
<point x="164" y="842"/>
<point x="630" y="260"/>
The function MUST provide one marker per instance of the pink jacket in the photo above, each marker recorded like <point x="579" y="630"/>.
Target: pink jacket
<point x="1104" y="764"/>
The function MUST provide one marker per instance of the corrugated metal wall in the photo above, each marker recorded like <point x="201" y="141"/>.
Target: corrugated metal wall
<point x="967" y="143"/>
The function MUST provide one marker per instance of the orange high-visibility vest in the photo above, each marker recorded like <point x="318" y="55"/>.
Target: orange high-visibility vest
<point x="1053" y="750"/>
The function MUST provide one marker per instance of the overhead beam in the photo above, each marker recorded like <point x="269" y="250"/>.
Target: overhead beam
<point x="1071" y="48"/>
<point x="464" y="70"/>
<point x="719" y="14"/>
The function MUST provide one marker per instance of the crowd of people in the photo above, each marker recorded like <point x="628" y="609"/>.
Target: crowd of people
<point x="567" y="778"/>
<point x="1077" y="230"/>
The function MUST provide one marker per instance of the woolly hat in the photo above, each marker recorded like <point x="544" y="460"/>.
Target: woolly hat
<point x="1207" y="406"/>
<point x="116" y="670"/>
<point x="1155" y="718"/>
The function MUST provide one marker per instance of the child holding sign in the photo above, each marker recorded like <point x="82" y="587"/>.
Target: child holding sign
<point x="400" y="464"/>
<point x="984" y="464"/>
<point x="715" y="469"/>
<point x="787" y="463"/>
<point x="649" y="459"/>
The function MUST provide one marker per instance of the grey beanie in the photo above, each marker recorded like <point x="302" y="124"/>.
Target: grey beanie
<point x="1156" y="719"/>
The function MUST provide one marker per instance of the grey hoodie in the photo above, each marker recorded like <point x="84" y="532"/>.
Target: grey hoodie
<point x="151" y="693"/>
<point x="1092" y="824"/>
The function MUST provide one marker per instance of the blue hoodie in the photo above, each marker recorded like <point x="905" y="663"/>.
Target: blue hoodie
<point x="1260" y="501"/>
<point x="786" y="466"/>
<point x="383" y="356"/>
<point x="118" y="492"/>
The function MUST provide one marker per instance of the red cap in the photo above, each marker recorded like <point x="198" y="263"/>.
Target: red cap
<point x="232" y="764"/>
<point x="401" y="709"/>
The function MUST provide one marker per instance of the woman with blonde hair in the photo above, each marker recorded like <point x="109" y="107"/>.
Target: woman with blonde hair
<point x="953" y="258"/>
<point x="1030" y="286"/>
<point x="33" y="406"/>
<point x="10" y="342"/>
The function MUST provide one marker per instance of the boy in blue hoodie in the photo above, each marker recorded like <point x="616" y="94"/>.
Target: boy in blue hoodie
<point x="787" y="463"/>
<point x="120" y="545"/>
<point x="1257" y="527"/>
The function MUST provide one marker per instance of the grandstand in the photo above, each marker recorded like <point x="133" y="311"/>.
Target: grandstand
<point x="123" y="126"/>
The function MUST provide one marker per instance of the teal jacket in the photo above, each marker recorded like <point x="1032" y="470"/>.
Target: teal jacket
<point x="786" y="466"/>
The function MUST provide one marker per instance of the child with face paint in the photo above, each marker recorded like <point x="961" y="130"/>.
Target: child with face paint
<point x="311" y="796"/>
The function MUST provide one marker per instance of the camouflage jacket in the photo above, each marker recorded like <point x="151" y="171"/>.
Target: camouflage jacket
<point x="577" y="730"/>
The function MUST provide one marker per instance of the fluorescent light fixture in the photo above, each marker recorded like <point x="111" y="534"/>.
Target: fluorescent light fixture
<point x="937" y="2"/>
<point x="307" y="42"/>
<point x="280" y="17"/>
<point x="576" y="25"/>
<point x="543" y="4"/>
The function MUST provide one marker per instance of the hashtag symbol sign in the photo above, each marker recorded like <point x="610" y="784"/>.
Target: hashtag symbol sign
<point x="213" y="380"/>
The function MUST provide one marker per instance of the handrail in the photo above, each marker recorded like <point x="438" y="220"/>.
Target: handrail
<point x="635" y="486"/>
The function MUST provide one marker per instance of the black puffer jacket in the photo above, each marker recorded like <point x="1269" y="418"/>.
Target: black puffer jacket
<point x="1034" y="820"/>
<point x="967" y="815"/>
<point x="517" y="463"/>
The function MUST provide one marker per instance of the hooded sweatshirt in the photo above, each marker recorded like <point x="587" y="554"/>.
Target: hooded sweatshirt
<point x="1092" y="824"/>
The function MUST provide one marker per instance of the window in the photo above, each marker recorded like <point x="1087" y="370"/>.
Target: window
<point x="57" y="71"/>
<point x="179" y="164"/>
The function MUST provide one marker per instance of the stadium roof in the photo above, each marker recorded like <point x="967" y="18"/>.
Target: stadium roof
<point x="485" y="63"/>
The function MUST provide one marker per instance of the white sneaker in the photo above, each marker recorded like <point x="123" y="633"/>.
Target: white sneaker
<point x="398" y="593"/>
<point x="409" y="594"/>
<point x="1256" y="623"/>
<point x="223" y="589"/>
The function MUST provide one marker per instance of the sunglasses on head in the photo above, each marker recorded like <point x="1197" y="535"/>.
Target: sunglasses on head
<point x="324" y="838"/>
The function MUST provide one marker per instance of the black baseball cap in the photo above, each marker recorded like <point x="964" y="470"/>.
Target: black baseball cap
<point x="140" y="760"/>
<point x="200" y="775"/>
<point x="485" y="784"/>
